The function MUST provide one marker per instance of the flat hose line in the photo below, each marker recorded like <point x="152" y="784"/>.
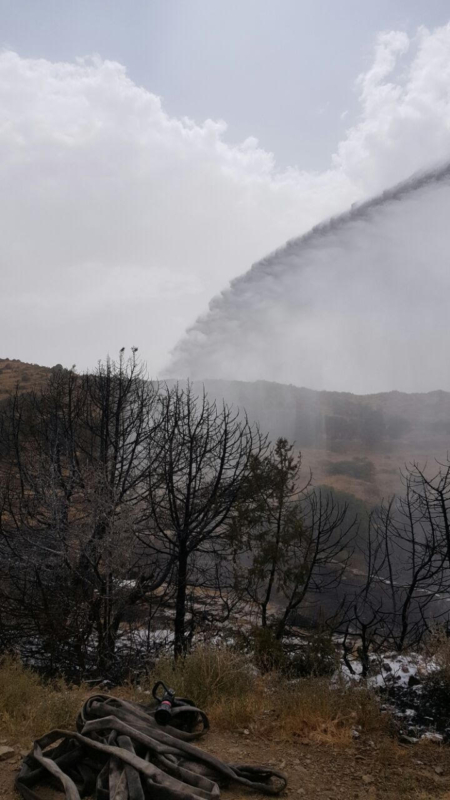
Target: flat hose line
<point x="120" y="752"/>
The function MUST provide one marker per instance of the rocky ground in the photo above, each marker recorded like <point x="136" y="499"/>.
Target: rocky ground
<point x="357" y="770"/>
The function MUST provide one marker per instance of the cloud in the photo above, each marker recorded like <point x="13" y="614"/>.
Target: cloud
<point x="405" y="111"/>
<point x="119" y="222"/>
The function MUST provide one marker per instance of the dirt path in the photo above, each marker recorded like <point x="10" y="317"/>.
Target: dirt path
<point x="360" y="770"/>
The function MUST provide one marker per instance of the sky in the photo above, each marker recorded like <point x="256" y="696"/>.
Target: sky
<point x="280" y="70"/>
<point x="150" y="152"/>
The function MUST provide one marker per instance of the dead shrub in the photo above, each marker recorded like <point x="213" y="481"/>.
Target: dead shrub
<point x="318" y="657"/>
<point x="438" y="649"/>
<point x="434" y="699"/>
<point x="267" y="651"/>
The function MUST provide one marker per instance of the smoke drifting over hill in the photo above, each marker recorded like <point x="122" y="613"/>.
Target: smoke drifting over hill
<point x="360" y="303"/>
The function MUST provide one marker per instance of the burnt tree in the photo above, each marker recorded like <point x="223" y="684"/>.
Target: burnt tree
<point x="74" y="484"/>
<point x="199" y="460"/>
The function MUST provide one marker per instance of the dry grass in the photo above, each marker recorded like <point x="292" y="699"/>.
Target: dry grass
<point x="224" y="684"/>
<point x="206" y="675"/>
<point x="29" y="707"/>
<point x="314" y="709"/>
<point x="217" y="680"/>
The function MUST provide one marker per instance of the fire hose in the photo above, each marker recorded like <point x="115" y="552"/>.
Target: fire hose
<point x="130" y="751"/>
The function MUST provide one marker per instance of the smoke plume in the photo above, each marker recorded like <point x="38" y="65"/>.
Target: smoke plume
<point x="360" y="303"/>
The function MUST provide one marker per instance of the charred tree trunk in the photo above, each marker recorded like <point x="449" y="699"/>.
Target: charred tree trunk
<point x="180" y="643"/>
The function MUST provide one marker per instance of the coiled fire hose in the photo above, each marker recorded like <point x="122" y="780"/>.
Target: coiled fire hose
<point x="121" y="751"/>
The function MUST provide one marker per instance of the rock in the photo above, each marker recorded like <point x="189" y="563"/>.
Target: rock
<point x="386" y="666"/>
<point x="6" y="752"/>
<point x="405" y="669"/>
<point x="431" y="736"/>
<point x="367" y="779"/>
<point x="246" y="732"/>
<point x="439" y="770"/>
<point x="407" y="739"/>
<point x="355" y="734"/>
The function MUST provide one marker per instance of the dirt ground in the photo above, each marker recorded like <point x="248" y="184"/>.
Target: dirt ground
<point x="360" y="770"/>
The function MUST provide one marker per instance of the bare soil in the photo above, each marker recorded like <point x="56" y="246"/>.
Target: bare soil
<point x="357" y="770"/>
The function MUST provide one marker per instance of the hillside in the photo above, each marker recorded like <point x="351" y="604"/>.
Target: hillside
<point x="13" y="372"/>
<point x="354" y="443"/>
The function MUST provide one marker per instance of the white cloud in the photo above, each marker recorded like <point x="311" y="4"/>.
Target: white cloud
<point x="405" y="111"/>
<point x="119" y="222"/>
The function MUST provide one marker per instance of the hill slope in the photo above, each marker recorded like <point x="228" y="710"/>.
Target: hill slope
<point x="13" y="372"/>
<point x="355" y="443"/>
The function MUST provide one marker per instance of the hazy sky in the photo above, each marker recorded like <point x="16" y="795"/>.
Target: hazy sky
<point x="202" y="134"/>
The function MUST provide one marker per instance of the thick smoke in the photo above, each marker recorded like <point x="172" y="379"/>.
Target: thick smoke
<point x="360" y="303"/>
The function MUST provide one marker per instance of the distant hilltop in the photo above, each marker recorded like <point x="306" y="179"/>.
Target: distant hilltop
<point x="355" y="443"/>
<point x="320" y="417"/>
<point x="308" y="417"/>
<point x="13" y="371"/>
